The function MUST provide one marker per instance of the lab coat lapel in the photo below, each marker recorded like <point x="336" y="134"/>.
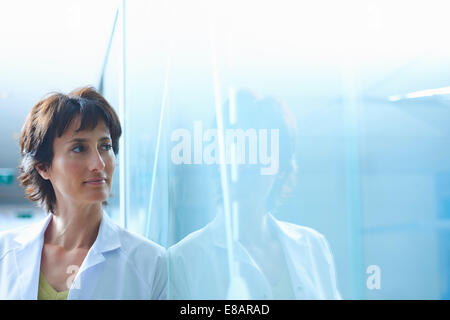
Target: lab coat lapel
<point x="107" y="239"/>
<point x="296" y="252"/>
<point x="257" y="284"/>
<point x="28" y="257"/>
<point x="218" y="236"/>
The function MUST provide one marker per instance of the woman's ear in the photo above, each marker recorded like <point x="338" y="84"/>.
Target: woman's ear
<point x="42" y="169"/>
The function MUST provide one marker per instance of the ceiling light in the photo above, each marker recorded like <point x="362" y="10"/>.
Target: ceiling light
<point x="421" y="94"/>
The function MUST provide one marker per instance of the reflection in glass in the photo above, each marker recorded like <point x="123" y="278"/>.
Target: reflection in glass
<point x="247" y="253"/>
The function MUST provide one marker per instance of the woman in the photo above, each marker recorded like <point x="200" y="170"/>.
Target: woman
<point x="255" y="255"/>
<point x="69" y="145"/>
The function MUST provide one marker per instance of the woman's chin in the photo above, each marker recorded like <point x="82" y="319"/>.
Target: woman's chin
<point x="100" y="197"/>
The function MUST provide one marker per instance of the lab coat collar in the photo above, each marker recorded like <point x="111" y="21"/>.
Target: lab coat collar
<point x="294" y="244"/>
<point x="296" y="251"/>
<point x="107" y="237"/>
<point x="28" y="256"/>
<point x="30" y="242"/>
<point x="33" y="232"/>
<point x="107" y="240"/>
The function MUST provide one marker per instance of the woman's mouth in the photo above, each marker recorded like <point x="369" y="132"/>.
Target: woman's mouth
<point x="96" y="181"/>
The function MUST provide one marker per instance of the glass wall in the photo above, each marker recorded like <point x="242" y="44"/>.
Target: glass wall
<point x="286" y="150"/>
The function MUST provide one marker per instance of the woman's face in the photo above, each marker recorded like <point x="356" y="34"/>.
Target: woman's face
<point x="83" y="164"/>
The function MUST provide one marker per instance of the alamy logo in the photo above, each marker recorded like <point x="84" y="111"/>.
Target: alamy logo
<point x="237" y="142"/>
<point x="374" y="280"/>
<point x="72" y="270"/>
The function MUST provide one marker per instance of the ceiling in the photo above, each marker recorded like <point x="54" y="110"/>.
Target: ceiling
<point x="386" y="47"/>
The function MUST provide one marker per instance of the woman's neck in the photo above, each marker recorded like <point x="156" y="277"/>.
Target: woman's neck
<point x="74" y="227"/>
<point x="252" y="222"/>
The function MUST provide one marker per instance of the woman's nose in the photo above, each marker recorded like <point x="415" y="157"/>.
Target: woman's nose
<point x="96" y="162"/>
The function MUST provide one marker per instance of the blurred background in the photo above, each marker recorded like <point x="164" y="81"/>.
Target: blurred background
<point x="368" y="83"/>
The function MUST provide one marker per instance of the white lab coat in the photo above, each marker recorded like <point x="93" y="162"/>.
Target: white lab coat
<point x="198" y="264"/>
<point x="119" y="265"/>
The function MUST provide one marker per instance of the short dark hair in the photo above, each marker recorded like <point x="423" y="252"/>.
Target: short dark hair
<point x="49" y="118"/>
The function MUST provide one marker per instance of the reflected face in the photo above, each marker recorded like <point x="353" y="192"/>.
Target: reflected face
<point x="250" y="184"/>
<point x="83" y="164"/>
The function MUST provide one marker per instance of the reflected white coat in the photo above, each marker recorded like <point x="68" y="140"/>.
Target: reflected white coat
<point x="198" y="264"/>
<point x="119" y="265"/>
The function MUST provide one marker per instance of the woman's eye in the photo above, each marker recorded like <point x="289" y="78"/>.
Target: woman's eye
<point x="107" y="147"/>
<point x="78" y="149"/>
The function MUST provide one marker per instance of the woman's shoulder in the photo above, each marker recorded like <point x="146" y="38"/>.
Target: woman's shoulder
<point x="9" y="238"/>
<point x="9" y="234"/>
<point x="198" y="240"/>
<point x="134" y="243"/>
<point x="313" y="239"/>
<point x="299" y="231"/>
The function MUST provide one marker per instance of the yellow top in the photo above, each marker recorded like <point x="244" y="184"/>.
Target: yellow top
<point x="46" y="291"/>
